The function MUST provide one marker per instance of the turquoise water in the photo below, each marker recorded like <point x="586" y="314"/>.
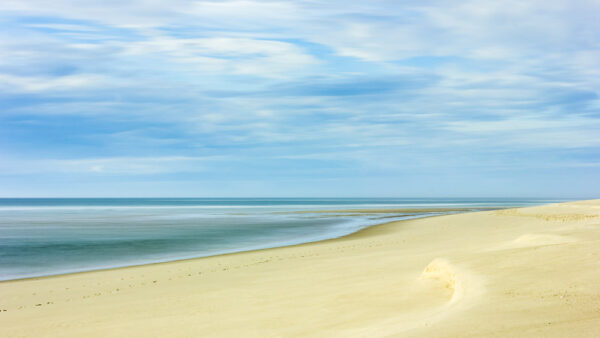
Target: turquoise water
<point x="41" y="237"/>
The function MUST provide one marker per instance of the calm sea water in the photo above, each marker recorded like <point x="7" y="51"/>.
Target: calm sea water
<point x="52" y="236"/>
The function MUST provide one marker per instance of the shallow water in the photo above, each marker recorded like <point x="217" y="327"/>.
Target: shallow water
<point x="52" y="236"/>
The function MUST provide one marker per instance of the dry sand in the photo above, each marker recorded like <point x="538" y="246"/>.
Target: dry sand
<point x="506" y="273"/>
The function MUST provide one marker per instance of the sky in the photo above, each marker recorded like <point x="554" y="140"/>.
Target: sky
<point x="308" y="98"/>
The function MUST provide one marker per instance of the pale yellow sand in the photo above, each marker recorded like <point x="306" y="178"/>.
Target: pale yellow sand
<point x="509" y="273"/>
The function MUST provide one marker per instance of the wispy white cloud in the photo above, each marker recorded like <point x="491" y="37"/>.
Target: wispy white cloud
<point x="228" y="55"/>
<point x="110" y="165"/>
<point x="380" y="83"/>
<point x="36" y="84"/>
<point x="530" y="131"/>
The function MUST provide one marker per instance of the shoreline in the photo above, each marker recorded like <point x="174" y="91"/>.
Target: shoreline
<point x="512" y="272"/>
<point x="447" y="211"/>
<point x="389" y="211"/>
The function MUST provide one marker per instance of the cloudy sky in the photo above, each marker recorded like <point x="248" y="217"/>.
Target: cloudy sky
<point x="300" y="98"/>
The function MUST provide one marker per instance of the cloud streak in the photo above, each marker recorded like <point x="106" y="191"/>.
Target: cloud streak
<point x="283" y="86"/>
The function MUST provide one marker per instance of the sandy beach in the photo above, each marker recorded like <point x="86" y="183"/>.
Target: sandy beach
<point x="525" y="272"/>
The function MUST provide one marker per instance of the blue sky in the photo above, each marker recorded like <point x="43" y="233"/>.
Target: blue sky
<point x="299" y="98"/>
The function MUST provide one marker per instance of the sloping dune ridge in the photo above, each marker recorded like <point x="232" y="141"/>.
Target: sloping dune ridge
<point x="526" y="272"/>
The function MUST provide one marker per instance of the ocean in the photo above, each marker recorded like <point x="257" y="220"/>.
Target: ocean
<point x="49" y="236"/>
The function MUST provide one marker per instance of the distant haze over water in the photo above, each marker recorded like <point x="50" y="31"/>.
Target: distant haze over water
<point x="46" y="236"/>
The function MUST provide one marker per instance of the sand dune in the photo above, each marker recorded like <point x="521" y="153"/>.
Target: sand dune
<point x="518" y="272"/>
<point x="446" y="274"/>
